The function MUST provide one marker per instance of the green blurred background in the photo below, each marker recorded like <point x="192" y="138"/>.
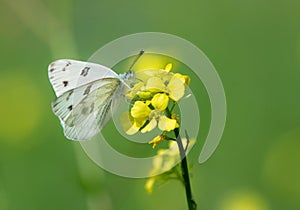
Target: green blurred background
<point x="254" y="45"/>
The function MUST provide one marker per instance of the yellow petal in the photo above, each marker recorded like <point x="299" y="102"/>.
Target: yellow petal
<point x="131" y="125"/>
<point x="176" y="88"/>
<point x="169" y="67"/>
<point x="132" y="130"/>
<point x="137" y="124"/>
<point x="166" y="124"/>
<point x="160" y="101"/>
<point x="151" y="125"/>
<point x="126" y="123"/>
<point x="155" y="84"/>
<point x="149" y="73"/>
<point x="156" y="141"/>
<point x="184" y="78"/>
<point x="140" y="110"/>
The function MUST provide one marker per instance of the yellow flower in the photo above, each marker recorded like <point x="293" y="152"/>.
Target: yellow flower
<point x="160" y="103"/>
<point x="138" y="116"/>
<point x="153" y="92"/>
<point x="159" y="80"/>
<point x="175" y="87"/>
<point x="147" y="73"/>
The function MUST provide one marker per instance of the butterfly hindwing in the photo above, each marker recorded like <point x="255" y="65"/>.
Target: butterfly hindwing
<point x="83" y="111"/>
<point x="66" y="74"/>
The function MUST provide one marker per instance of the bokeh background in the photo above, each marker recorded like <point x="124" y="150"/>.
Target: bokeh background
<point x="254" y="45"/>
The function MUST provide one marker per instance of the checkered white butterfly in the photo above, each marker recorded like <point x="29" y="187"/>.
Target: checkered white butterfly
<point x="86" y="93"/>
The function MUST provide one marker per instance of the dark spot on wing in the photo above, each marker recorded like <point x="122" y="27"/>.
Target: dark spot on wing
<point x="65" y="83"/>
<point x="85" y="71"/>
<point x="68" y="64"/>
<point x="70" y="107"/>
<point x="52" y="69"/>
<point x="64" y="69"/>
<point x="87" y="90"/>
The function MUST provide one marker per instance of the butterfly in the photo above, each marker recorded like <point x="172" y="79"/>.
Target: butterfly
<point x="86" y="93"/>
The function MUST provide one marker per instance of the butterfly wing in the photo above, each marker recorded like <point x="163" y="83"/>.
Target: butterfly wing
<point x="66" y="74"/>
<point x="84" y="111"/>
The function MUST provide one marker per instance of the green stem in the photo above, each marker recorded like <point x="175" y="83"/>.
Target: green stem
<point x="185" y="172"/>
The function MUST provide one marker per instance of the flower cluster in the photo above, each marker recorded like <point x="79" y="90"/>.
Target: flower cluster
<point x="153" y="99"/>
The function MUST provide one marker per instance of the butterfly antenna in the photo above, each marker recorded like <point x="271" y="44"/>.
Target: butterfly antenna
<point x="136" y="59"/>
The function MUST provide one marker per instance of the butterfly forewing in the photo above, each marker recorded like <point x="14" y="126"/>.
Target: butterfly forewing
<point x="66" y="74"/>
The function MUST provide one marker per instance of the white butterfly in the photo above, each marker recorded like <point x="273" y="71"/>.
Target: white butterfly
<point x="86" y="95"/>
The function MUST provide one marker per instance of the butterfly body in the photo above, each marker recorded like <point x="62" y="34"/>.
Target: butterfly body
<point x="86" y="93"/>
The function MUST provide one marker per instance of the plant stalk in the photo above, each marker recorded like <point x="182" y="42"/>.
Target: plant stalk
<point x="185" y="172"/>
